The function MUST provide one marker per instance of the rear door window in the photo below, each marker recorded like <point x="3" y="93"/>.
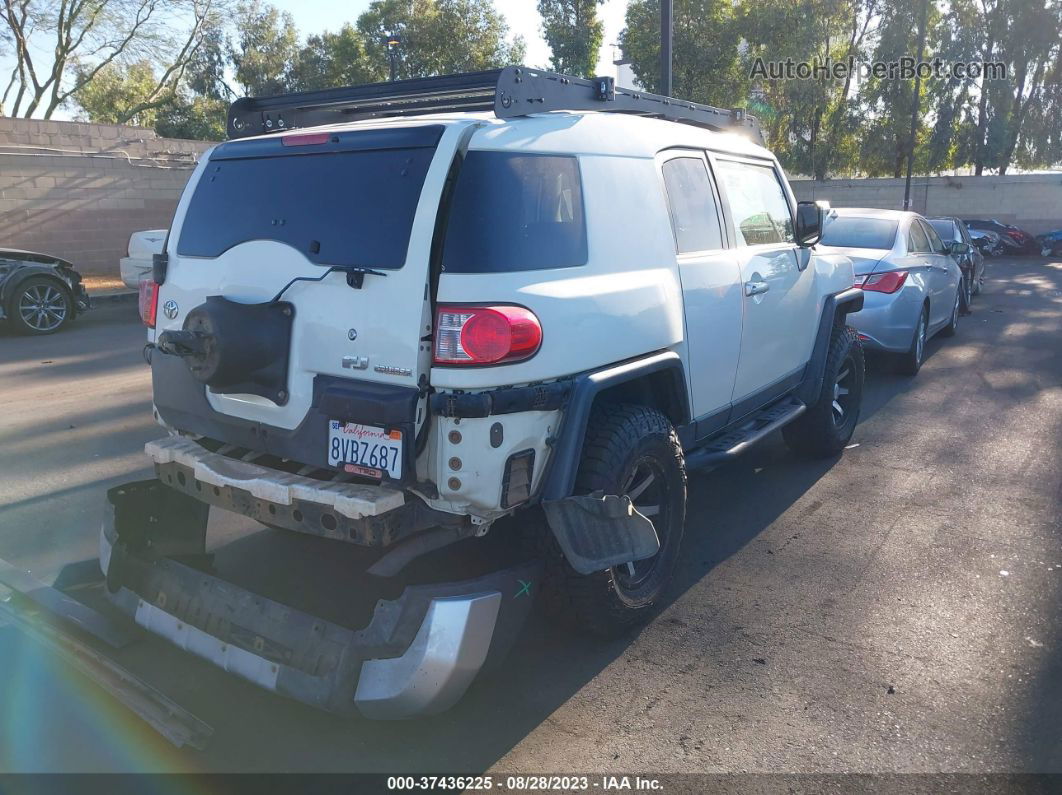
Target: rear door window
<point x="515" y="212"/>
<point x="694" y="213"/>
<point x="759" y="206"/>
<point x="348" y="199"/>
<point x="935" y="243"/>
<point x="917" y="242"/>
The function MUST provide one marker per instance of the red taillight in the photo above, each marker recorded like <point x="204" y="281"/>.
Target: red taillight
<point x="888" y="282"/>
<point x="305" y="140"/>
<point x="149" y="302"/>
<point x="485" y="334"/>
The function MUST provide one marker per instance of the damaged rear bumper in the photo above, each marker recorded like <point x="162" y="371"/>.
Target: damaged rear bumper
<point x="417" y="655"/>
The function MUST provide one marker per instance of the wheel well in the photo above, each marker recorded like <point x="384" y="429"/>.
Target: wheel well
<point x="659" y="390"/>
<point x="16" y="282"/>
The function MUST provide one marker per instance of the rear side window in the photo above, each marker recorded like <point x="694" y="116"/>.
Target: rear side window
<point x="757" y="202"/>
<point x="515" y="212"/>
<point x="694" y="214"/>
<point x="917" y="242"/>
<point x="935" y="243"/>
<point x="946" y="229"/>
<point x="348" y="201"/>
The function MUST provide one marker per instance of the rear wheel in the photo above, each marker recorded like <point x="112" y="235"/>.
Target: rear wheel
<point x="953" y="322"/>
<point x="38" y="306"/>
<point x="630" y="450"/>
<point x="826" y="426"/>
<point x="966" y="289"/>
<point x="911" y="362"/>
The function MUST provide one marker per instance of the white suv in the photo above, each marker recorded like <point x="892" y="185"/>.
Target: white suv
<point x="394" y="328"/>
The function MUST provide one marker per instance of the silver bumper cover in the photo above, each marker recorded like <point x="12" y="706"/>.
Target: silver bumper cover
<point x="417" y="656"/>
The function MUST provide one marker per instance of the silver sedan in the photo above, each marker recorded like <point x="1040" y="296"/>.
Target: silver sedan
<point x="912" y="285"/>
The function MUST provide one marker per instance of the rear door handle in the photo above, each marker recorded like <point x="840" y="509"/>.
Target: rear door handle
<point x="756" y="288"/>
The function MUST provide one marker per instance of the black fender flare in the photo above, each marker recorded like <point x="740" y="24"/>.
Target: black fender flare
<point x="834" y="310"/>
<point x="24" y="272"/>
<point x="559" y="479"/>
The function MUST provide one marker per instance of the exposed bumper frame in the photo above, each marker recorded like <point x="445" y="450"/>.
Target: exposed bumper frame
<point x="417" y="655"/>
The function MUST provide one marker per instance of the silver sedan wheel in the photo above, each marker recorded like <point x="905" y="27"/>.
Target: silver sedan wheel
<point x="920" y="340"/>
<point x="42" y="307"/>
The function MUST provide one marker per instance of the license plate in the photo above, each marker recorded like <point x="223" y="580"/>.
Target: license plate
<point x="365" y="449"/>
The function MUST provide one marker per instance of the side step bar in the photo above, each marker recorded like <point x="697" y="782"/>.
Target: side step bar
<point x="734" y="442"/>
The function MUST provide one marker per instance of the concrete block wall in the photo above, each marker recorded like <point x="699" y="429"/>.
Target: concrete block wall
<point x="1031" y="201"/>
<point x="79" y="190"/>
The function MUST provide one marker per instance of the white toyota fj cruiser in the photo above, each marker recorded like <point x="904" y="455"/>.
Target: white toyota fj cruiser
<point x="387" y="317"/>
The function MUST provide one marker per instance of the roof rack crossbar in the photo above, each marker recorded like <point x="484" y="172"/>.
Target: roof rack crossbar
<point x="510" y="92"/>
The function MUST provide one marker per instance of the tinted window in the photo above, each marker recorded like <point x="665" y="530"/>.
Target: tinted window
<point x="515" y="212"/>
<point x="935" y="243"/>
<point x="694" y="215"/>
<point x="760" y="208"/>
<point x="344" y="205"/>
<point x="946" y="229"/>
<point x="917" y="241"/>
<point x="855" y="232"/>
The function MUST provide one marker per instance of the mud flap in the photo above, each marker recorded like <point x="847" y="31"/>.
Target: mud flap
<point x="599" y="531"/>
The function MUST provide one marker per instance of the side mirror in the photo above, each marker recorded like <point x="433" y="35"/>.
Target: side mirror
<point x="809" y="219"/>
<point x="957" y="248"/>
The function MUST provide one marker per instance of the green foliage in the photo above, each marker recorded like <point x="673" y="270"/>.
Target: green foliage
<point x="197" y="117"/>
<point x="574" y="34"/>
<point x="334" y="59"/>
<point x="842" y="124"/>
<point x="438" y="36"/>
<point x="264" y="48"/>
<point x="707" y="65"/>
<point x="115" y="90"/>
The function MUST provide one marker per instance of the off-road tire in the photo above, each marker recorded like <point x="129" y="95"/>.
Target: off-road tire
<point x="620" y="439"/>
<point x="823" y="429"/>
<point x="57" y="297"/>
<point x="911" y="362"/>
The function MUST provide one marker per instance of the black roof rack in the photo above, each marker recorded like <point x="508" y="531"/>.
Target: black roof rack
<point x="509" y="92"/>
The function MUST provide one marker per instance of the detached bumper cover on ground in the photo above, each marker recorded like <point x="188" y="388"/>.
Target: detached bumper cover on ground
<point x="417" y="656"/>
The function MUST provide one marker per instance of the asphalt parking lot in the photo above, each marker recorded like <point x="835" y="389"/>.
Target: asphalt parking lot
<point x="896" y="609"/>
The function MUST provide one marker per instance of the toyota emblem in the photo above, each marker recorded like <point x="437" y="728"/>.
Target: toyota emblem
<point x="169" y="309"/>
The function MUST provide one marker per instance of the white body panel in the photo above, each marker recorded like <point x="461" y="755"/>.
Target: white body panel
<point x="634" y="296"/>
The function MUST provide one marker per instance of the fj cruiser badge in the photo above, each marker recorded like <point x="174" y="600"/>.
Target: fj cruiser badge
<point x="169" y="309"/>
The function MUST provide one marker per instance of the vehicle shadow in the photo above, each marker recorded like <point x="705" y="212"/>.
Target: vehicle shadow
<point x="257" y="731"/>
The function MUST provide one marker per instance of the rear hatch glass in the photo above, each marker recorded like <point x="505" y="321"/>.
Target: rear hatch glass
<point x="347" y="201"/>
<point x="271" y="218"/>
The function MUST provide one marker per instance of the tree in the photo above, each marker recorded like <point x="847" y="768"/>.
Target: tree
<point x="86" y="37"/>
<point x="116" y="90"/>
<point x="438" y="36"/>
<point x="574" y="34"/>
<point x="265" y="47"/>
<point x="708" y="66"/>
<point x="334" y="59"/>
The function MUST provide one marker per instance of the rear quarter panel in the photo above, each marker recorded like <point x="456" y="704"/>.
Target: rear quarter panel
<point x="625" y="302"/>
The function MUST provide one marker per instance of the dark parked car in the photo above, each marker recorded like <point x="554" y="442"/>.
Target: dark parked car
<point x="961" y="247"/>
<point x="1017" y="240"/>
<point x="39" y="293"/>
